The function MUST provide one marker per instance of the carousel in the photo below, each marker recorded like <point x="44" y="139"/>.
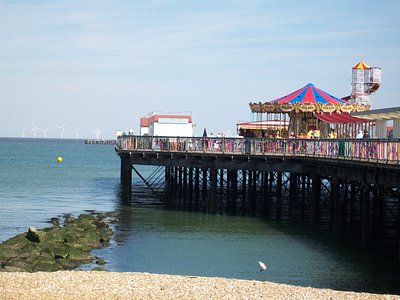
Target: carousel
<point x="312" y="112"/>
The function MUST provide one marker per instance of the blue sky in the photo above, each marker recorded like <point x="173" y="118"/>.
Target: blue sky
<point x="107" y="63"/>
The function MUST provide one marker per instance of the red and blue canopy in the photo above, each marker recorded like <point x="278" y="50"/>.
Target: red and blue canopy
<point x="307" y="99"/>
<point x="310" y="94"/>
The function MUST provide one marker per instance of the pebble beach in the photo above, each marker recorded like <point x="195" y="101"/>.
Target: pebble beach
<point x="120" y="285"/>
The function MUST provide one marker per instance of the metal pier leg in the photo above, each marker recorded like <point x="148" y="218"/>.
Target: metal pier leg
<point x="184" y="187"/>
<point x="228" y="190"/>
<point x="278" y="195"/>
<point x="293" y="196"/>
<point x="315" y="198"/>
<point x="196" y="188"/>
<point x="180" y="183"/>
<point x="303" y="196"/>
<point x="250" y="190"/>
<point x="234" y="178"/>
<point x="376" y="224"/>
<point x="126" y="174"/>
<point x="265" y="193"/>
<point x="352" y="204"/>
<point x="254" y="192"/>
<point x="204" y="191"/>
<point x="244" y="190"/>
<point x="213" y="196"/>
<point x="190" y="187"/>
<point x="364" y="212"/>
<point x="335" y="203"/>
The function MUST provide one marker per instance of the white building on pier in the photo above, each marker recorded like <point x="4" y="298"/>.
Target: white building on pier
<point x="166" y="125"/>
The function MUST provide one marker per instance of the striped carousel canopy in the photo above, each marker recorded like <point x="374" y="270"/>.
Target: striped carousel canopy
<point x="361" y="65"/>
<point x="308" y="94"/>
<point x="307" y="99"/>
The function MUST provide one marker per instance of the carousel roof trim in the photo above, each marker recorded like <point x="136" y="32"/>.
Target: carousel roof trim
<point x="307" y="99"/>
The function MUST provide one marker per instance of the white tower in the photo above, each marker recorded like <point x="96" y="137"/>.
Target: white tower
<point x="365" y="81"/>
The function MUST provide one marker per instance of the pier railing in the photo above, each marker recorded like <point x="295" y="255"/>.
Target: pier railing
<point x="378" y="150"/>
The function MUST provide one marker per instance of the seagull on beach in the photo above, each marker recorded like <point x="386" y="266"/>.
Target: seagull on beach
<point x="262" y="266"/>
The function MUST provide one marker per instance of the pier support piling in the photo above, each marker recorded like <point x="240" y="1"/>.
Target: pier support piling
<point x="126" y="173"/>
<point x="364" y="212"/>
<point x="335" y="203"/>
<point x="315" y="198"/>
<point x="213" y="194"/>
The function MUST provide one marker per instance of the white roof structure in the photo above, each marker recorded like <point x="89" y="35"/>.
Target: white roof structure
<point x="381" y="116"/>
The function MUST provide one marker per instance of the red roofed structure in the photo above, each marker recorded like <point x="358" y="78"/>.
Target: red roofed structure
<point x="166" y="125"/>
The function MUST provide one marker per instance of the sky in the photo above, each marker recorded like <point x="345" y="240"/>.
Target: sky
<point x="102" y="65"/>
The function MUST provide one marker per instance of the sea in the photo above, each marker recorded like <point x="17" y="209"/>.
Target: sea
<point x="149" y="237"/>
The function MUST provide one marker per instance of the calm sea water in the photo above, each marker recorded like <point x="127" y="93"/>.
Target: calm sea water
<point x="148" y="238"/>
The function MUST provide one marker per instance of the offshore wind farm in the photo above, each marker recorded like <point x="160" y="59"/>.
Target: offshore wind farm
<point x="59" y="132"/>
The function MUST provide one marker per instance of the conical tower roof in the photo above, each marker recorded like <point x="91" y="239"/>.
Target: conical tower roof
<point x="361" y="65"/>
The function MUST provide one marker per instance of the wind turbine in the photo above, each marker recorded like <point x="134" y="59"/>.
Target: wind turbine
<point x="44" y="131"/>
<point x="34" y="129"/>
<point x="97" y="132"/>
<point x="62" y="130"/>
<point x="76" y="133"/>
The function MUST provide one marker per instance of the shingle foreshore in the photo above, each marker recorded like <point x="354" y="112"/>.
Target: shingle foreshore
<point x="121" y="285"/>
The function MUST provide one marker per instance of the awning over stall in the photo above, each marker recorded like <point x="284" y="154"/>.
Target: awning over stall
<point x="342" y="118"/>
<point x="263" y="125"/>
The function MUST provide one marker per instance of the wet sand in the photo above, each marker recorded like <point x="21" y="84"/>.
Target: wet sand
<point x="120" y="285"/>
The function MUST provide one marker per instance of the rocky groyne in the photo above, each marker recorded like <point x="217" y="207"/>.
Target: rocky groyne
<point x="59" y="247"/>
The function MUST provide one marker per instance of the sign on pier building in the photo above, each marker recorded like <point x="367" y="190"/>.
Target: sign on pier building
<point x="166" y="125"/>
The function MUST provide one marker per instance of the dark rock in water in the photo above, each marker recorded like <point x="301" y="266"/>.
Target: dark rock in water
<point x="55" y="248"/>
<point x="112" y="220"/>
<point x="112" y="214"/>
<point x="35" y="235"/>
<point x="101" y="262"/>
<point x="55" y="221"/>
<point x="85" y="218"/>
<point x="100" y="224"/>
<point x="68" y="219"/>
<point x="101" y="215"/>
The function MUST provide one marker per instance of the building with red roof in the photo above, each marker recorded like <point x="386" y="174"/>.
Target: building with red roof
<point x="166" y="125"/>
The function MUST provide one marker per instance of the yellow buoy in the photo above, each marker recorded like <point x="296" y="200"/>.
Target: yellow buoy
<point x="59" y="159"/>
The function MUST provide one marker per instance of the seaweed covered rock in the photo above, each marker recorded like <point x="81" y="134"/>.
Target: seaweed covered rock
<point x="56" y="248"/>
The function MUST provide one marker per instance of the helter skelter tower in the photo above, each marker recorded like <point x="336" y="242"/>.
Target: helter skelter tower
<point x="365" y="81"/>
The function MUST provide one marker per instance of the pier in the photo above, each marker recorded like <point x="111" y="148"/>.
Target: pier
<point x="348" y="186"/>
<point x="100" y="142"/>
